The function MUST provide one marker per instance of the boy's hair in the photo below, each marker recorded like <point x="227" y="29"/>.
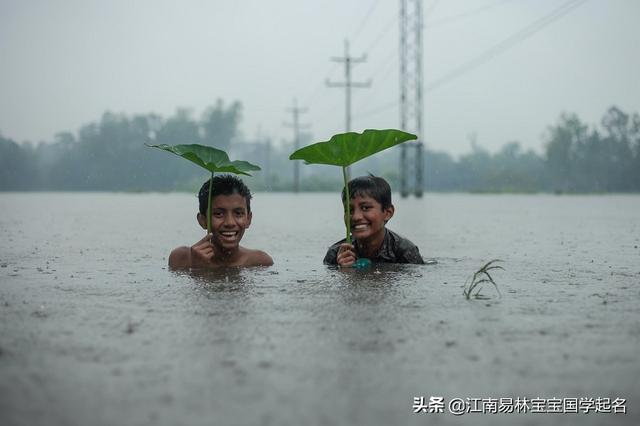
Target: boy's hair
<point x="372" y="186"/>
<point x="223" y="185"/>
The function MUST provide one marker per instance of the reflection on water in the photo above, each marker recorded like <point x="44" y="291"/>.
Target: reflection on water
<point x="96" y="330"/>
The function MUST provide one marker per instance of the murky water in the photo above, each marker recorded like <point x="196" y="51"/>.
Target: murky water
<point x="94" y="330"/>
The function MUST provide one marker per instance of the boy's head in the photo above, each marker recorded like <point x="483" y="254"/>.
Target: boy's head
<point x="370" y="207"/>
<point x="223" y="185"/>
<point x="371" y="186"/>
<point x="230" y="210"/>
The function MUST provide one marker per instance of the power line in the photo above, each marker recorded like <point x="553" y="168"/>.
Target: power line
<point x="377" y="109"/>
<point x="500" y="47"/>
<point x="320" y="85"/>
<point x="490" y="53"/>
<point x="385" y="30"/>
<point x="380" y="74"/>
<point x="506" y="44"/>
<point x="438" y="22"/>
<point x="365" y="20"/>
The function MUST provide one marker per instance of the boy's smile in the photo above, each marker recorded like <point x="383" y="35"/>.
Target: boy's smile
<point x="368" y="218"/>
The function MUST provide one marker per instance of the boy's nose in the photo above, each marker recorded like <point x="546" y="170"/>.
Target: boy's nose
<point x="228" y="220"/>
<point x="356" y="213"/>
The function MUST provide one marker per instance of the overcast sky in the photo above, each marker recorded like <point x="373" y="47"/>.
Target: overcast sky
<point x="65" y="62"/>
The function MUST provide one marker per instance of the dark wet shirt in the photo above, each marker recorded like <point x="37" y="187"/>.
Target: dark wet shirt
<point x="394" y="249"/>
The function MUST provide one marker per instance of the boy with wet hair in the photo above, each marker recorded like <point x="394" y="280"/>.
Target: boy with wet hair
<point x="230" y="217"/>
<point x="371" y="209"/>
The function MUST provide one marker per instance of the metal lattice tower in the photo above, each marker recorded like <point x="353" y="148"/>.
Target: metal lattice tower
<point x="411" y="172"/>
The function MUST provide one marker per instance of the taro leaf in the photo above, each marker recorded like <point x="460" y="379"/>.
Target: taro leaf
<point x="212" y="159"/>
<point x="346" y="148"/>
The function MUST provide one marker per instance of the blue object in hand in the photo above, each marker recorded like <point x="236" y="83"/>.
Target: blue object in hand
<point x="362" y="263"/>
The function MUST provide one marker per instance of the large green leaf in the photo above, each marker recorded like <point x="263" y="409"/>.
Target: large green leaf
<point x="212" y="159"/>
<point x="346" y="148"/>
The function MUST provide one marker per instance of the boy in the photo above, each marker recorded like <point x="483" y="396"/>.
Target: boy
<point x="371" y="209"/>
<point x="230" y="216"/>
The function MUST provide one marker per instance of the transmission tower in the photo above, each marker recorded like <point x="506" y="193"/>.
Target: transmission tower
<point x="411" y="172"/>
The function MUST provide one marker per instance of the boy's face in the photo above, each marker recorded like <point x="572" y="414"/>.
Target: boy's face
<point x="368" y="217"/>
<point x="229" y="219"/>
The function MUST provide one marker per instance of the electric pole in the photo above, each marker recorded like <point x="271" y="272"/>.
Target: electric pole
<point x="411" y="101"/>
<point x="267" y="163"/>
<point x="267" y="155"/>
<point x="296" y="140"/>
<point x="348" y="84"/>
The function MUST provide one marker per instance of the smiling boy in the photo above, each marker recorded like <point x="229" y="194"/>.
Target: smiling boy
<point x="371" y="209"/>
<point x="230" y="217"/>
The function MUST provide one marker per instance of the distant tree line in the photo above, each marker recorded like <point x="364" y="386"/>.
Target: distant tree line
<point x="110" y="155"/>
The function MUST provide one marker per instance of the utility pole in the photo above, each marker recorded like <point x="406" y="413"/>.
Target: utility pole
<point x="411" y="101"/>
<point x="348" y="84"/>
<point x="296" y="140"/>
<point x="267" y="163"/>
<point x="266" y="150"/>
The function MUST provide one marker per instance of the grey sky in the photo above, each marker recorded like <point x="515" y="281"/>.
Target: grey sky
<point x="64" y="62"/>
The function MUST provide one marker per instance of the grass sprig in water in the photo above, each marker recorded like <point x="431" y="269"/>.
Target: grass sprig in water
<point x="480" y="277"/>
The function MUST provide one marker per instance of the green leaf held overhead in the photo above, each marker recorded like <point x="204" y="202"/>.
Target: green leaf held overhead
<point x="212" y="159"/>
<point x="346" y="148"/>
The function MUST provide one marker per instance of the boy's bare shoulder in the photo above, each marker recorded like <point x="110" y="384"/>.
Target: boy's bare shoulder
<point x="180" y="257"/>
<point x="258" y="258"/>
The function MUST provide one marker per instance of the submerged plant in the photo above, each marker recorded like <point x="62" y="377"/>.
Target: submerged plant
<point x="481" y="276"/>
<point x="347" y="148"/>
<point x="209" y="158"/>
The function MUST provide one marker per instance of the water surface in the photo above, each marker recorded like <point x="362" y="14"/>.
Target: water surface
<point x="94" y="330"/>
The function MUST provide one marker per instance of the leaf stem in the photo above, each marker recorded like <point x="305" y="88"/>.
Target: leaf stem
<point x="348" y="204"/>
<point x="209" y="205"/>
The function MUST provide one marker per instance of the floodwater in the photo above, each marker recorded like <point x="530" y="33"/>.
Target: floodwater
<point x="94" y="330"/>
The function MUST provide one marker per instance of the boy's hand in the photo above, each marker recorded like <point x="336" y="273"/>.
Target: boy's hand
<point x="346" y="255"/>
<point x="202" y="252"/>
